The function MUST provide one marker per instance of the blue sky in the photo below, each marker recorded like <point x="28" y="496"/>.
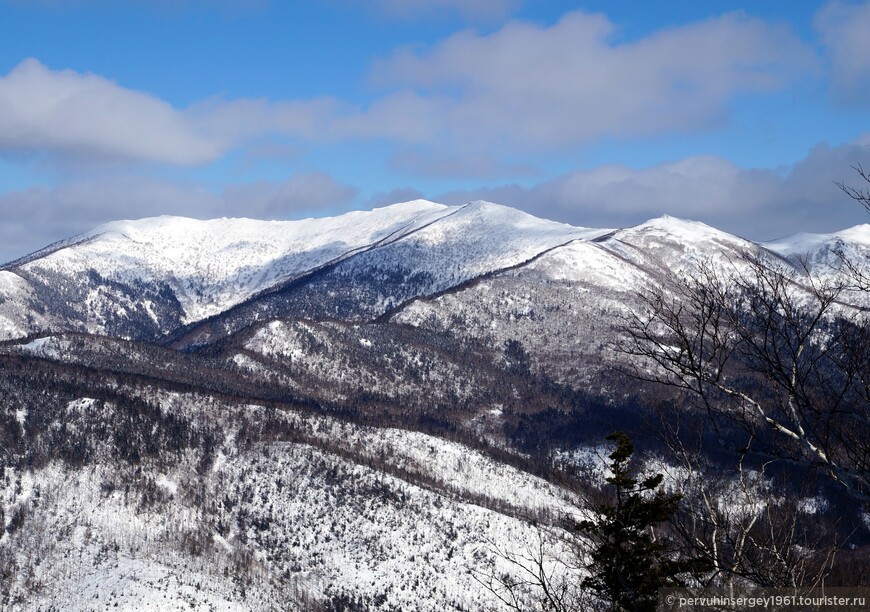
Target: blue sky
<point x="741" y="115"/>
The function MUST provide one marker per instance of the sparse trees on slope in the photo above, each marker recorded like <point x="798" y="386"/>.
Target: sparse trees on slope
<point x="776" y="357"/>
<point x="741" y="519"/>
<point x="859" y="276"/>
<point x="544" y="577"/>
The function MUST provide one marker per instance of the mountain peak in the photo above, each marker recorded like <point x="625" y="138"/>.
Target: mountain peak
<point x="858" y="233"/>
<point x="419" y="205"/>
<point x="805" y="242"/>
<point x="214" y="264"/>
<point x="207" y="267"/>
<point x="671" y="222"/>
<point x="683" y="230"/>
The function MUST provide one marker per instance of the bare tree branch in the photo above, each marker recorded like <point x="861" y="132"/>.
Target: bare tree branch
<point x="772" y="348"/>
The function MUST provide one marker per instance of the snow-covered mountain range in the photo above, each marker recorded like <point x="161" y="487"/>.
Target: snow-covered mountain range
<point x="479" y="271"/>
<point x="150" y="278"/>
<point x="345" y="413"/>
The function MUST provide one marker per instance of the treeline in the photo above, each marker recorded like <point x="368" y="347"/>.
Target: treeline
<point x="49" y="413"/>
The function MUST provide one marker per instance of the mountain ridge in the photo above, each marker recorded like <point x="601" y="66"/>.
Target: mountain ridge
<point x="161" y="275"/>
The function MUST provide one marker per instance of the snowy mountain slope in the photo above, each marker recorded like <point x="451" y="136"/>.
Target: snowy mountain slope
<point x="198" y="281"/>
<point x="567" y="306"/>
<point x="157" y="500"/>
<point x="592" y="277"/>
<point x="561" y="308"/>
<point x="668" y="245"/>
<point x="20" y="310"/>
<point x="331" y="530"/>
<point x="272" y="464"/>
<point x="211" y="264"/>
<point x="479" y="239"/>
<point x="337" y="361"/>
<point x="856" y="239"/>
<point x="149" y="277"/>
<point x="472" y="241"/>
<point x="398" y="373"/>
<point x="838" y="258"/>
<point x="164" y="272"/>
<point x="481" y="270"/>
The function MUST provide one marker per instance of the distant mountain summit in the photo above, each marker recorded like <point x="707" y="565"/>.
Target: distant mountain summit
<point x="156" y="279"/>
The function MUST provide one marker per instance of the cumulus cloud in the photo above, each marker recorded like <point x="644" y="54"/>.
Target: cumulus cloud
<point x="756" y="203"/>
<point x="465" y="103"/>
<point x="843" y="29"/>
<point x="85" y="116"/>
<point x="310" y="193"/>
<point x="238" y="121"/>
<point x="400" y="194"/>
<point x="35" y="217"/>
<point x="576" y="81"/>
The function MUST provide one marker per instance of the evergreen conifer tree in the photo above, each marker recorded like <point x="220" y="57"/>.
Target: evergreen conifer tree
<point x="630" y="561"/>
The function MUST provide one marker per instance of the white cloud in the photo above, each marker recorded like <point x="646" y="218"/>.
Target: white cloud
<point x="575" y="81"/>
<point x="451" y="163"/>
<point x="844" y="31"/>
<point x="35" y="217"/>
<point x="756" y="203"/>
<point x="84" y="116"/>
<point x="469" y="101"/>
<point x="311" y="193"/>
<point x="237" y="121"/>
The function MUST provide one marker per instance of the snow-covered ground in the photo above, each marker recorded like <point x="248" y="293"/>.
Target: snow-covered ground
<point x="396" y="519"/>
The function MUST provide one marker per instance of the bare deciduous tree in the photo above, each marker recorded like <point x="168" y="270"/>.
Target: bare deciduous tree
<point x="544" y="575"/>
<point x="750" y="530"/>
<point x="773" y="349"/>
<point x="859" y="194"/>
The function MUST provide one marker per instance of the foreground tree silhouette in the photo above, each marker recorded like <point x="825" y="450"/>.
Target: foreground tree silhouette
<point x="779" y="352"/>
<point x="616" y="559"/>
<point x="859" y="194"/>
<point x="631" y="559"/>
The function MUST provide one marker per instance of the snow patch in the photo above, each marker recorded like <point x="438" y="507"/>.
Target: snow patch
<point x="164" y="482"/>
